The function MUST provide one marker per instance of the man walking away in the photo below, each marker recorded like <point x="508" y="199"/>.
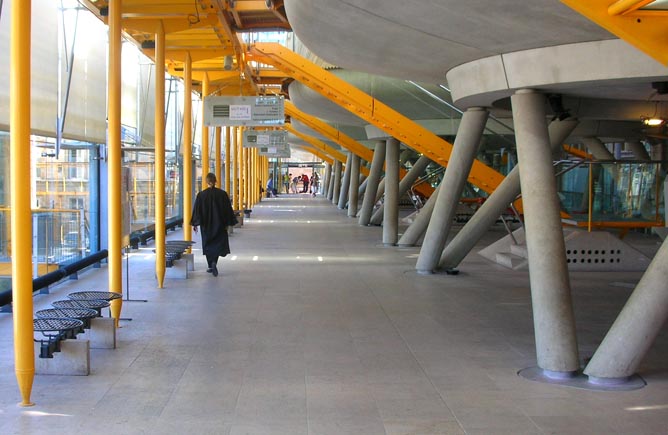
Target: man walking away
<point x="213" y="213"/>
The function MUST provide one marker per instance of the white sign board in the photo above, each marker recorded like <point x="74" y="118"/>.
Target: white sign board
<point x="264" y="110"/>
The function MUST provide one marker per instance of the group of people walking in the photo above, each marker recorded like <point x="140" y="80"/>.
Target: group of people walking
<point x="293" y="184"/>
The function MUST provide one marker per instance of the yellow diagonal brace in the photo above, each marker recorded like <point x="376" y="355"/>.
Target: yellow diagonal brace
<point x="315" y="152"/>
<point x="368" y="108"/>
<point x="316" y="143"/>
<point x="328" y="131"/>
<point x="644" y="29"/>
<point x="344" y="141"/>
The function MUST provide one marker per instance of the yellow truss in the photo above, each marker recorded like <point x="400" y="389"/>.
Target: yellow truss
<point x="646" y="29"/>
<point x="368" y="108"/>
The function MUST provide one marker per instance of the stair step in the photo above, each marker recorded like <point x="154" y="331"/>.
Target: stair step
<point x="509" y="259"/>
<point x="519" y="250"/>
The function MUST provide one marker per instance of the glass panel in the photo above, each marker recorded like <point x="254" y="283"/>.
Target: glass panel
<point x="620" y="192"/>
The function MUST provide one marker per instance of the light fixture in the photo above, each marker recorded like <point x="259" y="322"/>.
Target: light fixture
<point x="652" y="121"/>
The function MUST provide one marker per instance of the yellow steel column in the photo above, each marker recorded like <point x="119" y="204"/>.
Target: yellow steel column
<point x="205" y="134"/>
<point x="235" y="166"/>
<point x="160" y="155"/>
<point x="20" y="215"/>
<point x="114" y="220"/>
<point x="187" y="147"/>
<point x="228" y="156"/>
<point x="252" y="187"/>
<point x="219" y="155"/>
<point x="246" y="175"/>
<point x="240" y="158"/>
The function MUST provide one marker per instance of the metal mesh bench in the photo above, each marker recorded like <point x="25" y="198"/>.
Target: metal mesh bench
<point x="55" y="330"/>
<point x="83" y="314"/>
<point x="93" y="304"/>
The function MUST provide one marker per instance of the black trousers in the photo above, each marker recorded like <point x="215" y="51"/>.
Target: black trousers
<point x="211" y="260"/>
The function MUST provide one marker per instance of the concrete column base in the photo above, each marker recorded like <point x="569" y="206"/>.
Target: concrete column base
<point x="102" y="333"/>
<point x="72" y="360"/>
<point x="190" y="261"/>
<point x="179" y="270"/>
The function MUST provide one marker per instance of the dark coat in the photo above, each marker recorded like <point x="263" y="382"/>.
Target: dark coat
<point x="213" y="213"/>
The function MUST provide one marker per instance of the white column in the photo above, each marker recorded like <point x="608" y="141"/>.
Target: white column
<point x="554" y="323"/>
<point x="405" y="184"/>
<point x="345" y="184"/>
<point x="635" y="329"/>
<point x="391" y="204"/>
<point x="459" y="165"/>
<point x="415" y="230"/>
<point x="353" y="190"/>
<point x="372" y="183"/>
<point x="497" y="202"/>
<point x="336" y="182"/>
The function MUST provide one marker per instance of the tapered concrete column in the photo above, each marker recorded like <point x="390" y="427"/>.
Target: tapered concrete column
<point x="597" y="148"/>
<point x="345" y="184"/>
<point x="554" y="324"/>
<point x="327" y="180"/>
<point x="381" y="185"/>
<point x="638" y="150"/>
<point x="330" y="188"/>
<point x="353" y="197"/>
<point x="364" y="182"/>
<point x="419" y="225"/>
<point x="405" y="184"/>
<point x="391" y="204"/>
<point x="497" y="202"/>
<point x="640" y="321"/>
<point x="336" y="181"/>
<point x="372" y="183"/>
<point x="464" y="150"/>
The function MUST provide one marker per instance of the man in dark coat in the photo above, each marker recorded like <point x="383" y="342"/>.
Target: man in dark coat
<point x="213" y="213"/>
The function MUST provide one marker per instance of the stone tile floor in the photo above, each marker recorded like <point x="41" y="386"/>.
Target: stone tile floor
<point x="313" y="327"/>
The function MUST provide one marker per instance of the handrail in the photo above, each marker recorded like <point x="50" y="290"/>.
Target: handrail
<point x="55" y="276"/>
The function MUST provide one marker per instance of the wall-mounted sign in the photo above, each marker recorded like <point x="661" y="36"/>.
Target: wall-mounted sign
<point x="244" y="111"/>
<point x="263" y="138"/>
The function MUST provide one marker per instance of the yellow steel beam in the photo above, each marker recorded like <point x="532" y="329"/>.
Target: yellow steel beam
<point x="316" y="143"/>
<point x="644" y="29"/>
<point x="369" y="109"/>
<point x="343" y="140"/>
<point x="328" y="131"/>
<point x="316" y="152"/>
<point x="577" y="152"/>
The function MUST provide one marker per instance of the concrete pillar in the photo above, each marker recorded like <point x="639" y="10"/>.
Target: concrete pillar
<point x="381" y="185"/>
<point x="364" y="182"/>
<point x="419" y="225"/>
<point x="327" y="180"/>
<point x="336" y="182"/>
<point x="635" y="329"/>
<point x="554" y="323"/>
<point x="330" y="187"/>
<point x="391" y="204"/>
<point x="464" y="150"/>
<point x="497" y="202"/>
<point x="597" y="148"/>
<point x="345" y="185"/>
<point x="638" y="150"/>
<point x="353" y="196"/>
<point x="372" y="183"/>
<point x="405" y="184"/>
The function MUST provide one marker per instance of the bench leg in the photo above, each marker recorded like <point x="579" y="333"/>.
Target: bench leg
<point x="72" y="360"/>
<point x="102" y="333"/>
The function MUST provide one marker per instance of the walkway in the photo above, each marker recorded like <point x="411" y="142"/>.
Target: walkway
<point x="313" y="327"/>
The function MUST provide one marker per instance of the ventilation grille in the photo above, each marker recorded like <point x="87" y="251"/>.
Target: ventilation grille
<point x="221" y="110"/>
<point x="597" y="256"/>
